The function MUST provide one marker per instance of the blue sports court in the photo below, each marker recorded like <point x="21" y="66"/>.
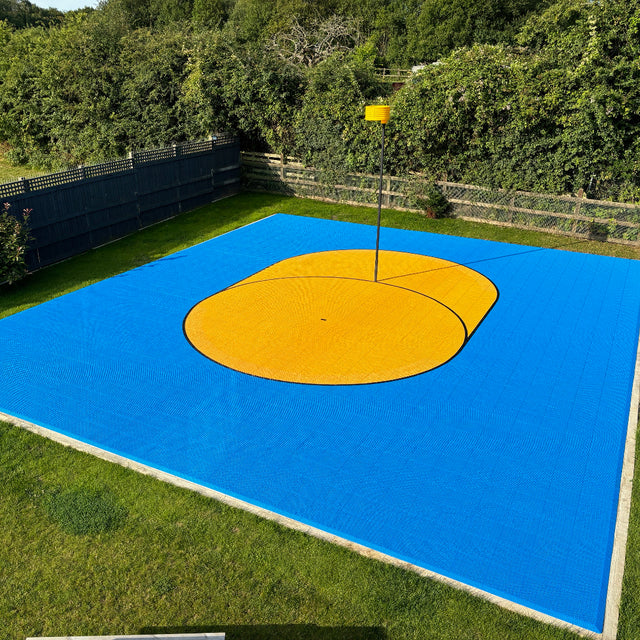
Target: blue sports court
<point x="497" y="463"/>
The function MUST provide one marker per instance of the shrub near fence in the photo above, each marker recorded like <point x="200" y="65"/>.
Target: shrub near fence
<point x="575" y="216"/>
<point x="83" y="208"/>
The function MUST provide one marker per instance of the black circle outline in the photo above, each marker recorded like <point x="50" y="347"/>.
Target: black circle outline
<point x="337" y="384"/>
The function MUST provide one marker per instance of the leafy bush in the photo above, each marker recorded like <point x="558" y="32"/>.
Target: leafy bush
<point x="82" y="511"/>
<point x="14" y="237"/>
<point x="435" y="203"/>
<point x="598" y="230"/>
<point x="428" y="197"/>
<point x="535" y="95"/>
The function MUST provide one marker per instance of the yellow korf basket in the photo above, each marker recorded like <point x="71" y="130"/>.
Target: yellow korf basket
<point x="378" y="113"/>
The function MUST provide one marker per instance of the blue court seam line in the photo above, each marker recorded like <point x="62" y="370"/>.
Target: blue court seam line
<point x="291" y="523"/>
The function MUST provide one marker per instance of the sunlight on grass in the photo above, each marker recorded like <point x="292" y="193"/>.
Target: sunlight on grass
<point x="10" y="172"/>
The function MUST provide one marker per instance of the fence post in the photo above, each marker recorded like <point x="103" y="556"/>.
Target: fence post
<point x="576" y="210"/>
<point x="85" y="208"/>
<point x="24" y="183"/>
<point x="132" y="161"/>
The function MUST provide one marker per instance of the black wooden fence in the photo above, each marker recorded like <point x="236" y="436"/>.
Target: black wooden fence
<point x="83" y="208"/>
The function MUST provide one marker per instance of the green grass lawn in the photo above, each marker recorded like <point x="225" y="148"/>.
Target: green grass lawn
<point x="91" y="548"/>
<point x="10" y="172"/>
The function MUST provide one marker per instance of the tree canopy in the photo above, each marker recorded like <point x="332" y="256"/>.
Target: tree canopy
<point x="22" y="14"/>
<point x="535" y="95"/>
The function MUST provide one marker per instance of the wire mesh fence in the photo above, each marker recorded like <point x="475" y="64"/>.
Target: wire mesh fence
<point x="575" y="216"/>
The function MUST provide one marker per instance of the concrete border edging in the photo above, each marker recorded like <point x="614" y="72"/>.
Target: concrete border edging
<point x="618" y="555"/>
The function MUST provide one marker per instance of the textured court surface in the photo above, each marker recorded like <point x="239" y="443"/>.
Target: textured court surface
<point x="319" y="318"/>
<point x="500" y="468"/>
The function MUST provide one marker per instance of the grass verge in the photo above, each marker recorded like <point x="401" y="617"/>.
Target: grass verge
<point x="10" y="172"/>
<point x="169" y="560"/>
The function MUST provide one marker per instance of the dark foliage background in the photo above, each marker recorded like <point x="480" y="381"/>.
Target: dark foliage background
<point x="526" y="94"/>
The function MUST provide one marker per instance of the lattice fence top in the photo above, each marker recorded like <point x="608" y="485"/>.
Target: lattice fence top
<point x="112" y="167"/>
<point x="196" y="147"/>
<point x="107" y="168"/>
<point x="12" y="189"/>
<point x="205" y="145"/>
<point x="152" y="155"/>
<point x="55" y="179"/>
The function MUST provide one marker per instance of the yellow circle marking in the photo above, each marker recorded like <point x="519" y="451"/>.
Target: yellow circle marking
<point x="320" y="319"/>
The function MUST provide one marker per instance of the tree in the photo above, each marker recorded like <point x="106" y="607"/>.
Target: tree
<point x="149" y="95"/>
<point x="445" y="25"/>
<point x="59" y="91"/>
<point x="309" y="45"/>
<point x="201" y="102"/>
<point x="596" y="45"/>
<point x="22" y="14"/>
<point x="257" y="21"/>
<point x="151" y="13"/>
<point x="249" y="20"/>
<point x="246" y="89"/>
<point x="330" y="130"/>
<point x="557" y="114"/>
<point x="211" y="14"/>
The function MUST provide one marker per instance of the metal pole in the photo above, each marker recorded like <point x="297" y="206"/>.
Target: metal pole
<point x="375" y="270"/>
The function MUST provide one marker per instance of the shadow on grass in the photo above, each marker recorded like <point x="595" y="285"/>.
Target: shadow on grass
<point x="137" y="249"/>
<point x="222" y="216"/>
<point x="277" y="632"/>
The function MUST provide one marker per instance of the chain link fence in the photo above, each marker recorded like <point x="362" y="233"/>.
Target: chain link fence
<point x="575" y="216"/>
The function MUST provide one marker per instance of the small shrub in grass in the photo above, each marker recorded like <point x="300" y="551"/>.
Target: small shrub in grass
<point x="598" y="230"/>
<point x="434" y="203"/>
<point x="83" y="511"/>
<point x="426" y="195"/>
